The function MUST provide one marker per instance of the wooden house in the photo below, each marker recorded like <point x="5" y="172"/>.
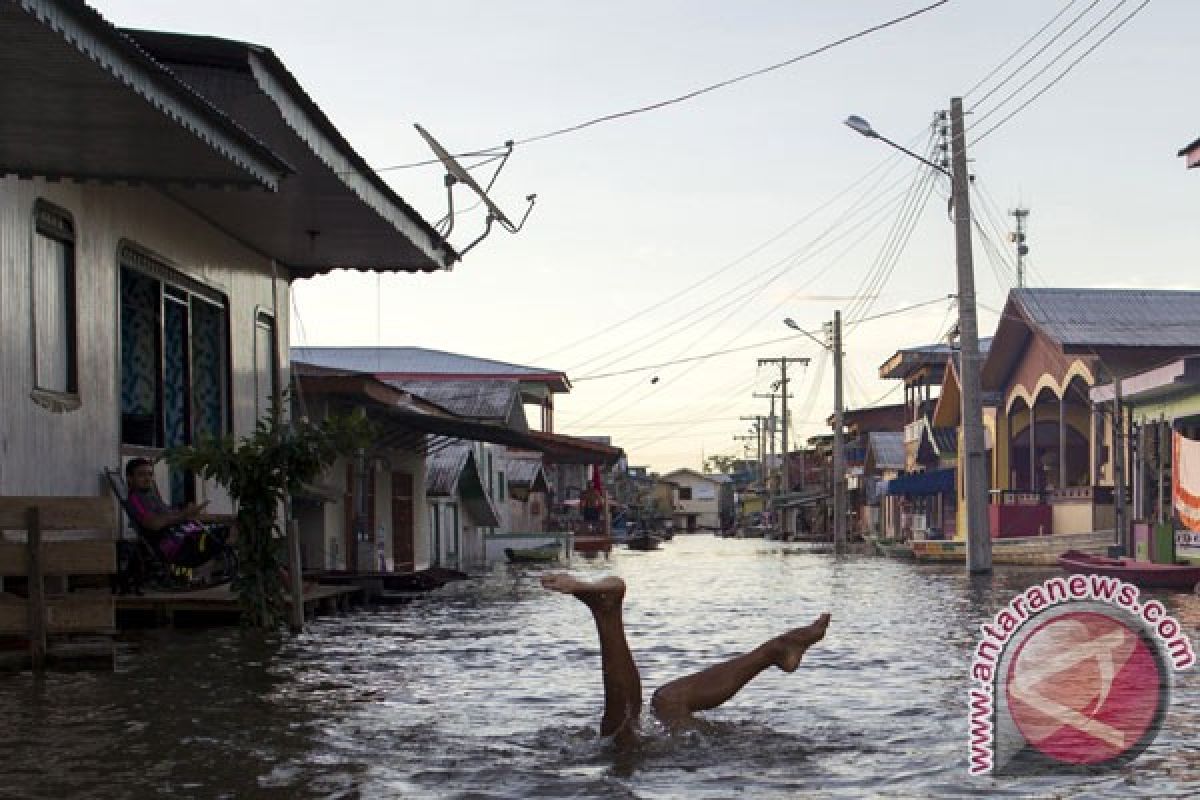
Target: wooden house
<point x="884" y="460"/>
<point x="526" y="507"/>
<point x="461" y="508"/>
<point x="1160" y="409"/>
<point x="697" y="500"/>
<point x="860" y="423"/>
<point x="160" y="194"/>
<point x="1052" y="464"/>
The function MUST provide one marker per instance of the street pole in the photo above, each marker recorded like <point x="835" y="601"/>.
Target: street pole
<point x="1121" y="513"/>
<point x="758" y="441"/>
<point x="979" y="542"/>
<point x="839" y="444"/>
<point x="772" y="424"/>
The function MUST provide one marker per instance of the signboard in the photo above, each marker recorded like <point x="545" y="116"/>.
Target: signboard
<point x="1187" y="544"/>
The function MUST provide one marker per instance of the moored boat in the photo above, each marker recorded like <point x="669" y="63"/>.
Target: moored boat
<point x="532" y="555"/>
<point x="643" y="541"/>
<point x="1145" y="574"/>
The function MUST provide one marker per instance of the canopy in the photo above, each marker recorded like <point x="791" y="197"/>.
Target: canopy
<point x="918" y="484"/>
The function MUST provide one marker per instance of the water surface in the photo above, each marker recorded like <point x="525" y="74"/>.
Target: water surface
<point x="491" y="689"/>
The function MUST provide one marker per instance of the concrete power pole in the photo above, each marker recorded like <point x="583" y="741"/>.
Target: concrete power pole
<point x="758" y="438"/>
<point x="839" y="444"/>
<point x="772" y="423"/>
<point x="979" y="541"/>
<point x="1117" y="451"/>
<point x="783" y="390"/>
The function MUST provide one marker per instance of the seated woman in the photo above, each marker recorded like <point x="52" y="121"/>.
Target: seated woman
<point x="182" y="539"/>
<point x="675" y="702"/>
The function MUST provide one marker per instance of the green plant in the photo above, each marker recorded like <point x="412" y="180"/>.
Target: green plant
<point x="260" y="471"/>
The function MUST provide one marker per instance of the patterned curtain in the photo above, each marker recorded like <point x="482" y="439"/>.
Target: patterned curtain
<point x="139" y="361"/>
<point x="208" y="369"/>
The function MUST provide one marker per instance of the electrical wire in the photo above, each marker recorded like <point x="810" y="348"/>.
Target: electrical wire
<point x="1060" y="76"/>
<point x="1017" y="52"/>
<point x="893" y="160"/>
<point x="696" y="92"/>
<point x="1042" y="49"/>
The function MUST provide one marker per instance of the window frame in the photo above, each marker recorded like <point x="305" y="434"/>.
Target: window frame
<point x="261" y="314"/>
<point x="173" y="286"/>
<point x="58" y="225"/>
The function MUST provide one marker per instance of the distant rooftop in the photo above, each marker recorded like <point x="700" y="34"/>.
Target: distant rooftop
<point x="418" y="363"/>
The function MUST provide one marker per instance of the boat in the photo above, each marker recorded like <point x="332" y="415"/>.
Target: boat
<point x="643" y="541"/>
<point x="532" y="555"/>
<point x="1145" y="574"/>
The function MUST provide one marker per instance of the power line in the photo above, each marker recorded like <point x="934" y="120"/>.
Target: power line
<point x="742" y="348"/>
<point x="1023" y="45"/>
<point x="1040" y="50"/>
<point x="695" y="92"/>
<point x="892" y="159"/>
<point x="1060" y="75"/>
<point x="777" y="269"/>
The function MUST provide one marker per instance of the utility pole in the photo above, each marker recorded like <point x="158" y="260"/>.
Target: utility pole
<point x="1018" y="238"/>
<point x="783" y="389"/>
<point x="839" y="444"/>
<point x="772" y="424"/>
<point x="758" y="438"/>
<point x="1118" y="461"/>
<point x="979" y="541"/>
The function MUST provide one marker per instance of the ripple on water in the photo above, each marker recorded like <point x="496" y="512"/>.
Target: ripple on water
<point x="492" y="689"/>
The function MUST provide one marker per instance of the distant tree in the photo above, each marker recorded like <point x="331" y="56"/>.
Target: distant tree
<point x="719" y="464"/>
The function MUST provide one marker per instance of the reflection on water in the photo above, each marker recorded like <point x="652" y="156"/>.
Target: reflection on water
<point x="491" y="688"/>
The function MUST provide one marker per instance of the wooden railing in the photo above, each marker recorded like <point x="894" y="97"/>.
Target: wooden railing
<point x="40" y="613"/>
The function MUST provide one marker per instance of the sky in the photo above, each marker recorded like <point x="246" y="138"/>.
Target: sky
<point x="662" y="238"/>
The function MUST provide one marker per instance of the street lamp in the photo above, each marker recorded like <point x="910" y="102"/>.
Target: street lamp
<point x="860" y="125"/>
<point x="839" y="445"/>
<point x="974" y="463"/>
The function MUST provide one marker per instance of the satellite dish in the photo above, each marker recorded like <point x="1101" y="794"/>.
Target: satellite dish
<point x="455" y="173"/>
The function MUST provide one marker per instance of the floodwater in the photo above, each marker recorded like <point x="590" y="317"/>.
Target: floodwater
<point x="492" y="689"/>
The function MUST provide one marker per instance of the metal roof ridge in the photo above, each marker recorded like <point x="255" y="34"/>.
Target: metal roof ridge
<point x="55" y="13"/>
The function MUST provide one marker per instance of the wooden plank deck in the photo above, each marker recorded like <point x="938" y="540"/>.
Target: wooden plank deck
<point x="219" y="601"/>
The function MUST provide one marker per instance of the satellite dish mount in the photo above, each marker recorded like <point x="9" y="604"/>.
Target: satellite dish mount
<point x="455" y="174"/>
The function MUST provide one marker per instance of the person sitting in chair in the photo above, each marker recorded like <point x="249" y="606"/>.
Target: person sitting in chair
<point x="182" y="539"/>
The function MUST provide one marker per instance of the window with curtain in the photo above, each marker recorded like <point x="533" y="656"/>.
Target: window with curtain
<point x="174" y="357"/>
<point x="52" y="283"/>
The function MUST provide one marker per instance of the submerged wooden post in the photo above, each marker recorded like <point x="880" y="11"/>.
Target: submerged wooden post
<point x="37" y="589"/>
<point x="297" y="578"/>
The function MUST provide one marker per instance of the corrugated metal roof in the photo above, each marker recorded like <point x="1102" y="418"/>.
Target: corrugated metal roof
<point x="421" y="362"/>
<point x="888" y="448"/>
<point x="352" y="217"/>
<point x="521" y="471"/>
<point x="483" y="400"/>
<point x="1114" y="317"/>
<point x="121" y="114"/>
<point x="945" y="440"/>
<point x="444" y="468"/>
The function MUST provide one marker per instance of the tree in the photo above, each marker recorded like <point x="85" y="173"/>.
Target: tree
<point x="260" y="472"/>
<point x="719" y="464"/>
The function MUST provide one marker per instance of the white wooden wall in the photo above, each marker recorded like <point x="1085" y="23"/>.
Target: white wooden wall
<point x="64" y="453"/>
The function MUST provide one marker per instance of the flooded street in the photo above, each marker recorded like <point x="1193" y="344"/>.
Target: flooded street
<point x="492" y="688"/>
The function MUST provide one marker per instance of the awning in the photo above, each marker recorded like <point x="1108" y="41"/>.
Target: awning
<point x="335" y="211"/>
<point x="82" y="101"/>
<point x="406" y="421"/>
<point x="920" y="484"/>
<point x="799" y="499"/>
